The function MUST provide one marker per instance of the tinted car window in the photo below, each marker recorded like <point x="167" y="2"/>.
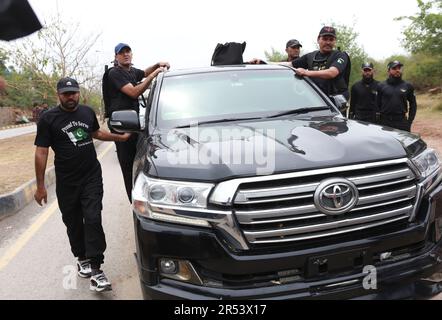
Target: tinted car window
<point x="230" y="94"/>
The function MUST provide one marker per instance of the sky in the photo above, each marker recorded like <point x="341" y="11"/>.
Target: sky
<point x="185" y="32"/>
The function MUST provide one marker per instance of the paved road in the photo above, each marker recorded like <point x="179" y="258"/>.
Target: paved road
<point x="9" y="133"/>
<point x="35" y="259"/>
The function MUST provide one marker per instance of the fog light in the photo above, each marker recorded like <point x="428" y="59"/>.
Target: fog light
<point x="168" y="266"/>
<point x="181" y="270"/>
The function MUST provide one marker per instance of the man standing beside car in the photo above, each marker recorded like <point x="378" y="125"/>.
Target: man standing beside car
<point x="124" y="89"/>
<point x="68" y="129"/>
<point x="363" y="104"/>
<point x="396" y="99"/>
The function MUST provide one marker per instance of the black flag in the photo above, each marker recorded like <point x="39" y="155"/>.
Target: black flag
<point x="17" y="19"/>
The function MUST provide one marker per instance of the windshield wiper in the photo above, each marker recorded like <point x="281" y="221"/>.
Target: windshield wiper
<point x="298" y="111"/>
<point x="215" y="121"/>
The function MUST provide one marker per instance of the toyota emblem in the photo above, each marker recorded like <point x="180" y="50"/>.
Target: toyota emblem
<point x="336" y="196"/>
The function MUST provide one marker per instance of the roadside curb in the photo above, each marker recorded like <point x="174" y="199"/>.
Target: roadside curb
<point x="15" y="201"/>
<point x="17" y="126"/>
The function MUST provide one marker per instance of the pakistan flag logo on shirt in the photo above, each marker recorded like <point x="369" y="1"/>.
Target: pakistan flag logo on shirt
<point x="78" y="135"/>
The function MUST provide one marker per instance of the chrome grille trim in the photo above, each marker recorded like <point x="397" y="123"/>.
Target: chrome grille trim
<point x="282" y="211"/>
<point x="407" y="192"/>
<point x="224" y="192"/>
<point x="249" y="196"/>
<point x="252" y="236"/>
<point x="329" y="234"/>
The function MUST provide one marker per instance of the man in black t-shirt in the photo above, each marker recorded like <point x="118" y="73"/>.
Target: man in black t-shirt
<point x="327" y="67"/>
<point x="125" y="88"/>
<point x="68" y="129"/>
<point x="363" y="105"/>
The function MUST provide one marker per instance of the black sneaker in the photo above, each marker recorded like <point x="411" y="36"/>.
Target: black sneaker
<point x="84" y="268"/>
<point x="100" y="283"/>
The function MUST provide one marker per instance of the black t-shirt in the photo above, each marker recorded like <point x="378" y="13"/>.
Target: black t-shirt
<point x="339" y="61"/>
<point x="118" y="78"/>
<point x="69" y="134"/>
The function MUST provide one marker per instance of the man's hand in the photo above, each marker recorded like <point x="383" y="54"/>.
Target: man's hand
<point x="301" y="72"/>
<point x="41" y="195"/>
<point x="125" y="136"/>
<point x="165" y="65"/>
<point x="255" y="61"/>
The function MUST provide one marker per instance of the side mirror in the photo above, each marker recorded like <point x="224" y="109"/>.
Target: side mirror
<point x="341" y="103"/>
<point x="125" y="121"/>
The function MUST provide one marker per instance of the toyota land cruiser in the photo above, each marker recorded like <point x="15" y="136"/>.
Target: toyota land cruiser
<point x="250" y="184"/>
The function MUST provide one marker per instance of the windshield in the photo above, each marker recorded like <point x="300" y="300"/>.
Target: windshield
<point x="239" y="94"/>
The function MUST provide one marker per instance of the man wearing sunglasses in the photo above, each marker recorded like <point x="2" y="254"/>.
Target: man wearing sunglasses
<point x="363" y="96"/>
<point x="396" y="100"/>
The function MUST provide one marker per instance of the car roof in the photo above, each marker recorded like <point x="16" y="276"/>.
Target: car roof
<point x="211" y="69"/>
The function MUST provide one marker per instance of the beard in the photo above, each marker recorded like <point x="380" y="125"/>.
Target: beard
<point x="70" y="104"/>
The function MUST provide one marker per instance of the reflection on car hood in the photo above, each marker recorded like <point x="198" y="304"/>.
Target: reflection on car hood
<point x="250" y="148"/>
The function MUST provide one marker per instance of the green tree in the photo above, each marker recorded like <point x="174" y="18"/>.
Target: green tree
<point x="55" y="52"/>
<point x="424" y="33"/>
<point x="275" y="56"/>
<point x="347" y="41"/>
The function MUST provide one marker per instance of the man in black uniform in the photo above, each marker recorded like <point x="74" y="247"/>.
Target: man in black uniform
<point x="68" y="129"/>
<point x="363" y="105"/>
<point x="293" y="49"/>
<point x="396" y="99"/>
<point x="125" y="88"/>
<point x="326" y="66"/>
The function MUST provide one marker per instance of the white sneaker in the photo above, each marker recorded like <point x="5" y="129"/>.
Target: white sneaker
<point x="84" y="268"/>
<point x="100" y="283"/>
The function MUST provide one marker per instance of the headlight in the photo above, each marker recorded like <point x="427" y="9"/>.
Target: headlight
<point x="427" y="163"/>
<point x="168" y="200"/>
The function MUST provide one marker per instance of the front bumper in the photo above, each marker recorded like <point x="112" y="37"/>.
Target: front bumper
<point x="250" y="274"/>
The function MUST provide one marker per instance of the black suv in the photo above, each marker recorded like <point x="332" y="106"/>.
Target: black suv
<point x="250" y="184"/>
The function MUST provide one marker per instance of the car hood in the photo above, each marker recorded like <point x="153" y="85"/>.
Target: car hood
<point x="249" y="148"/>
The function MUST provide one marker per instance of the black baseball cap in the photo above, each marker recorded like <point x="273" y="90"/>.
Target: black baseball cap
<point x="327" y="31"/>
<point x="367" y="65"/>
<point x="394" y="64"/>
<point x="120" y="47"/>
<point x="67" y="85"/>
<point x="293" y="43"/>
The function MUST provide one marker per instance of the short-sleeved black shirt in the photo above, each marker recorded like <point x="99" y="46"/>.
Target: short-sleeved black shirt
<point x="339" y="60"/>
<point x="69" y="134"/>
<point x="118" y="78"/>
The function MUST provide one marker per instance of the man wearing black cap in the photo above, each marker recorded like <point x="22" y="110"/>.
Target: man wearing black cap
<point x="68" y="129"/>
<point x="124" y="90"/>
<point x="363" y="105"/>
<point x="396" y="99"/>
<point x="293" y="49"/>
<point x="327" y="67"/>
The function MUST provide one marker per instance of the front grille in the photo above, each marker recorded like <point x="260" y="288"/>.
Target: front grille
<point x="283" y="211"/>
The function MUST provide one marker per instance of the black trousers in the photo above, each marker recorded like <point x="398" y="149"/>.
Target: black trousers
<point x="126" y="152"/>
<point x="81" y="207"/>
